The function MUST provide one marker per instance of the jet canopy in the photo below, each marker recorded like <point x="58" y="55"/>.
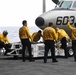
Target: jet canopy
<point x="69" y="4"/>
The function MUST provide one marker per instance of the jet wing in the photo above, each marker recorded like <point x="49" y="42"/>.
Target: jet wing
<point x="55" y="1"/>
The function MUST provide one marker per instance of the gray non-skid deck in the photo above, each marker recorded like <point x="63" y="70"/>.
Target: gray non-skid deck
<point x="9" y="66"/>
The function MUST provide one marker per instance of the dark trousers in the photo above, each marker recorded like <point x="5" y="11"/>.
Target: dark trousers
<point x="49" y="44"/>
<point x="74" y="48"/>
<point x="6" y="46"/>
<point x="26" y="43"/>
<point x="64" y="46"/>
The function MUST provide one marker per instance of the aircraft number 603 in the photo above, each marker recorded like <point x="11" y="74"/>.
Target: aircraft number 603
<point x="64" y="20"/>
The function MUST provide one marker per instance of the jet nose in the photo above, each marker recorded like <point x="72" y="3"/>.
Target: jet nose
<point x="39" y="21"/>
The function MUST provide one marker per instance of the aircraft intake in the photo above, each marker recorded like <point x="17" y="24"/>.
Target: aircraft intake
<point x="39" y="21"/>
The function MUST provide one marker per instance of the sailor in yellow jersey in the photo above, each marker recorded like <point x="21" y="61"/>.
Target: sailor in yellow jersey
<point x="25" y="36"/>
<point x="63" y="37"/>
<point x="49" y="37"/>
<point x="36" y="36"/>
<point x="4" y="41"/>
<point x="73" y="37"/>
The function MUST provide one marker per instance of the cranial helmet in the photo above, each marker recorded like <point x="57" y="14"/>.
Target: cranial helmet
<point x="5" y="32"/>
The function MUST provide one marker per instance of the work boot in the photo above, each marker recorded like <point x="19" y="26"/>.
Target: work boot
<point x="54" y="61"/>
<point x="23" y="60"/>
<point x="45" y="62"/>
<point x="75" y="60"/>
<point x="66" y="57"/>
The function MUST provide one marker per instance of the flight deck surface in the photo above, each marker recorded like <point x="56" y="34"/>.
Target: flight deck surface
<point x="10" y="66"/>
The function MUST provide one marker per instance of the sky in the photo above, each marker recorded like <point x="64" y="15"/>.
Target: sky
<point x="13" y="12"/>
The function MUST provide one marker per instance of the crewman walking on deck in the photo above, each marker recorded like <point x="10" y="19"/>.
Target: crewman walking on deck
<point x="63" y="37"/>
<point x="49" y="37"/>
<point x="36" y="36"/>
<point x="73" y="37"/>
<point x="24" y="35"/>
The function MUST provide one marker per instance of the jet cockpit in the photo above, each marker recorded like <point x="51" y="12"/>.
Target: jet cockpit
<point x="66" y="4"/>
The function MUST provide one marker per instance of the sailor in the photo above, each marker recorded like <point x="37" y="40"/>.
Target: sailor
<point x="63" y="37"/>
<point x="4" y="41"/>
<point x="73" y="37"/>
<point x="49" y="37"/>
<point x="36" y="36"/>
<point x="24" y="35"/>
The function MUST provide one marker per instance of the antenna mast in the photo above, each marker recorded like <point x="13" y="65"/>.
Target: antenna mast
<point x="44" y="6"/>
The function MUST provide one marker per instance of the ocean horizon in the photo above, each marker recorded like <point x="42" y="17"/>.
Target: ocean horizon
<point x="13" y="32"/>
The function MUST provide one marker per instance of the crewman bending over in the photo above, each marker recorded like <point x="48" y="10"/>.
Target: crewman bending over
<point x="36" y="36"/>
<point x="4" y="41"/>
<point x="63" y="37"/>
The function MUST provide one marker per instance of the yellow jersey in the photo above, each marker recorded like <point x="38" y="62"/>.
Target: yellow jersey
<point x="49" y="33"/>
<point x="4" y="39"/>
<point x="36" y="36"/>
<point x="73" y="29"/>
<point x="24" y="33"/>
<point x="61" y="33"/>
